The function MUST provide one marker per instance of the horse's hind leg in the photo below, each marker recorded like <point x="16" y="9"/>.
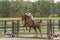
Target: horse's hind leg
<point x="35" y="30"/>
<point x="40" y="31"/>
<point x="23" y="29"/>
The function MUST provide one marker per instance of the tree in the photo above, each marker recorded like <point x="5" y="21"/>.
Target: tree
<point x="20" y="7"/>
<point x="0" y="8"/>
<point x="5" y="8"/>
<point x="45" y="8"/>
<point x="58" y="8"/>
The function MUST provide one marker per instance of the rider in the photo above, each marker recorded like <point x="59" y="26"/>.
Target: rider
<point x="29" y="14"/>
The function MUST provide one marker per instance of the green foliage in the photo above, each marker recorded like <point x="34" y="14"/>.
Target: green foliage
<point x="5" y="8"/>
<point x="58" y="8"/>
<point x="45" y="8"/>
<point x="38" y="9"/>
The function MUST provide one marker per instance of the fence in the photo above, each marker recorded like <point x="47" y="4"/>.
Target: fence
<point x="15" y="30"/>
<point x="15" y="26"/>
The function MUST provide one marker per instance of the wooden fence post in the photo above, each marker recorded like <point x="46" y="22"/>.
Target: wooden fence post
<point x="12" y="28"/>
<point x="59" y="24"/>
<point x="50" y="29"/>
<point x="5" y="22"/>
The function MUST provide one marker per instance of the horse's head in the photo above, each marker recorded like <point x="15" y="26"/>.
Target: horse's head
<point x="24" y="17"/>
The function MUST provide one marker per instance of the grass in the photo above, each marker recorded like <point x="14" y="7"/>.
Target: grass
<point x="2" y="35"/>
<point x="43" y="30"/>
<point x="53" y="18"/>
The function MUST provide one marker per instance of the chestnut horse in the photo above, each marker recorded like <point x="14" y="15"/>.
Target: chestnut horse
<point x="28" y="22"/>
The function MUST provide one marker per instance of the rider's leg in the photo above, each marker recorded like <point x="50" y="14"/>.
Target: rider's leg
<point x="32" y="20"/>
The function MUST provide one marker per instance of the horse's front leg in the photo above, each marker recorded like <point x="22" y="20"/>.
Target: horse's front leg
<point x="24" y="27"/>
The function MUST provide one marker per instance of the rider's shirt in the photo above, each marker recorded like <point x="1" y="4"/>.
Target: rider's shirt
<point x="29" y="14"/>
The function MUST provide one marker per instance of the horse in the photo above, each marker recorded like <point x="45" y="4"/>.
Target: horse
<point x="28" y="22"/>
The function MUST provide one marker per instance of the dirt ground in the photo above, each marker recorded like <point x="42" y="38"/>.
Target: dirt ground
<point x="22" y="39"/>
<point x="18" y="39"/>
<point x="28" y="37"/>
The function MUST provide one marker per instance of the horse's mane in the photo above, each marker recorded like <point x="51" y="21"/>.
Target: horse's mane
<point x="26" y="16"/>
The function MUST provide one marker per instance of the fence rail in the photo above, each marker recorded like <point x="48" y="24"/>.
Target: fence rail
<point x="17" y="27"/>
